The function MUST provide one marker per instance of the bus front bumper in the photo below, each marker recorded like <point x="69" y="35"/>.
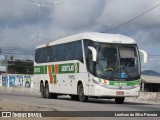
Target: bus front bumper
<point x="106" y="92"/>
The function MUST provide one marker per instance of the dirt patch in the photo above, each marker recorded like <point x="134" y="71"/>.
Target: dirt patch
<point x="7" y="105"/>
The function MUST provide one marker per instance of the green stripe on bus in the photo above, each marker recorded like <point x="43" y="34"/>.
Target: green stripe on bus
<point x="127" y="83"/>
<point x="45" y="71"/>
<point x="55" y="79"/>
<point x="39" y="69"/>
<point x="53" y="69"/>
<point x="68" y="68"/>
<point x="62" y="68"/>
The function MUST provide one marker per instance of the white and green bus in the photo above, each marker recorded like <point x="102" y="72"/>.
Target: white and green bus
<point x="88" y="65"/>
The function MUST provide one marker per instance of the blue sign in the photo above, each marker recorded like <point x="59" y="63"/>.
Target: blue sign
<point x="11" y="80"/>
<point x="123" y="75"/>
<point x="4" y="80"/>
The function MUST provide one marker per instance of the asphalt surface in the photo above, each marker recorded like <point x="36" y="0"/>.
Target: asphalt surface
<point x="64" y="103"/>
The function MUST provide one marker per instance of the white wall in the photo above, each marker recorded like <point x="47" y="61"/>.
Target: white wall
<point x="16" y="80"/>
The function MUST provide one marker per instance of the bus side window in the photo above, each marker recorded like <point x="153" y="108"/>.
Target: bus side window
<point x="90" y="62"/>
<point x="69" y="51"/>
<point x="60" y="52"/>
<point x="48" y="54"/>
<point x="88" y="55"/>
<point x="52" y="53"/>
<point x="37" y="56"/>
<point x="78" y="54"/>
<point x="40" y="55"/>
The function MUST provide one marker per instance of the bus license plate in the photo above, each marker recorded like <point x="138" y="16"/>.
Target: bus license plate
<point x="120" y="93"/>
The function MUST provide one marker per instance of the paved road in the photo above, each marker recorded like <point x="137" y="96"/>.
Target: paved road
<point x="64" y="103"/>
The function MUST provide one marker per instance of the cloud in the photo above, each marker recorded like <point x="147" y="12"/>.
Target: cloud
<point x="118" y="11"/>
<point x="18" y="20"/>
<point x="76" y="16"/>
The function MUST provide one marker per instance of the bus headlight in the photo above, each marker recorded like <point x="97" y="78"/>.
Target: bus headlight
<point x="102" y="83"/>
<point x="136" y="85"/>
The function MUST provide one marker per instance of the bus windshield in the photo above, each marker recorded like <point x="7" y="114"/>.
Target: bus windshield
<point x="117" y="62"/>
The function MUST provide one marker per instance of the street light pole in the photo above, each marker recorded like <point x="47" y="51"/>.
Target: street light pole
<point x="39" y="14"/>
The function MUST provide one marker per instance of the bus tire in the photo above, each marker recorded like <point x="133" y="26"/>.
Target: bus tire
<point x="47" y="93"/>
<point x="54" y="95"/>
<point x="82" y="97"/>
<point x="74" y="97"/>
<point x="119" y="100"/>
<point x="42" y="90"/>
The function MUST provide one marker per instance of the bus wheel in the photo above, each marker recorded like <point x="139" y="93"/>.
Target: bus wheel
<point x="53" y="95"/>
<point x="74" y="97"/>
<point x="42" y="90"/>
<point x="47" y="93"/>
<point x="119" y="100"/>
<point x="82" y="97"/>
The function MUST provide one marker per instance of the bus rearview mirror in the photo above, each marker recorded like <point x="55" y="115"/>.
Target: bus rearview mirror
<point x="145" y="55"/>
<point x="94" y="53"/>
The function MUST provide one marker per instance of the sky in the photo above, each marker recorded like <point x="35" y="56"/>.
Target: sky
<point x="19" y="24"/>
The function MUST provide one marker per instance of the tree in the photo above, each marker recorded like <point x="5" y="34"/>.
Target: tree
<point x="21" y="67"/>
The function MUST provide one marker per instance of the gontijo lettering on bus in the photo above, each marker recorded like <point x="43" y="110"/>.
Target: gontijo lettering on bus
<point x="57" y="69"/>
<point x="69" y="68"/>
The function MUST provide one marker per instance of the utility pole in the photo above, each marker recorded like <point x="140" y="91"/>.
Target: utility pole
<point x="39" y="14"/>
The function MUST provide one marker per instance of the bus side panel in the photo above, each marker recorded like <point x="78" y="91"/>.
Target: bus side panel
<point x="69" y="83"/>
<point x="64" y="81"/>
<point x="55" y="87"/>
<point x="37" y="80"/>
<point x="85" y="82"/>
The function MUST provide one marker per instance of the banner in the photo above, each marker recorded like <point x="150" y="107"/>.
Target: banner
<point x="11" y="80"/>
<point x="4" y="81"/>
<point x="27" y="81"/>
<point x="18" y="81"/>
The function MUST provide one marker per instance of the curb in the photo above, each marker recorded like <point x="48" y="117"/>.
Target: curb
<point x="18" y="90"/>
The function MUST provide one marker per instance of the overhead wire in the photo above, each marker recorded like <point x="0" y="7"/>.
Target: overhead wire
<point x="24" y="44"/>
<point x="140" y="15"/>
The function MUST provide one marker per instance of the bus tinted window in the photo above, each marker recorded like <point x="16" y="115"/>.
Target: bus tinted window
<point x="52" y="54"/>
<point x="39" y="57"/>
<point x="88" y="55"/>
<point x="60" y="52"/>
<point x="69" y="51"/>
<point x="86" y="44"/>
<point x="78" y="51"/>
<point x="48" y="54"/>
